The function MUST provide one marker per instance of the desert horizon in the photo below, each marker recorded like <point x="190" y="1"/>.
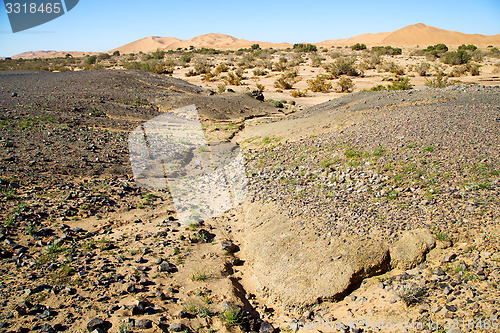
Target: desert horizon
<point x="415" y="35"/>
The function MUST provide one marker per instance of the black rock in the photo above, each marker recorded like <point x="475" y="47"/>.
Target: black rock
<point x="47" y="328"/>
<point x="14" y="94"/>
<point x="266" y="327"/>
<point x="95" y="323"/>
<point x="228" y="246"/>
<point x="143" y="324"/>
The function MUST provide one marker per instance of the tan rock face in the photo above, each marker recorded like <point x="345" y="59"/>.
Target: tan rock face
<point x="295" y="267"/>
<point x="411" y="249"/>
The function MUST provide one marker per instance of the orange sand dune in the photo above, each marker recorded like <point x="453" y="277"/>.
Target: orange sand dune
<point x="417" y="34"/>
<point x="212" y="40"/>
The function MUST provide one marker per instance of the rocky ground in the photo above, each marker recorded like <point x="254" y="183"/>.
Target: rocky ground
<point x="401" y="200"/>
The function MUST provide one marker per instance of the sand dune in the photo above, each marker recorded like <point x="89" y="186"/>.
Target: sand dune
<point x="51" y="54"/>
<point x="417" y="34"/>
<point x="211" y="40"/>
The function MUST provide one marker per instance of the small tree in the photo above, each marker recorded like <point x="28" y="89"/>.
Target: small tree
<point x="158" y="54"/>
<point x="116" y="53"/>
<point x="91" y="60"/>
<point x="301" y="47"/>
<point x="345" y="84"/>
<point x="255" y="46"/>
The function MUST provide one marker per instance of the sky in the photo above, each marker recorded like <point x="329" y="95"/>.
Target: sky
<point x="101" y="25"/>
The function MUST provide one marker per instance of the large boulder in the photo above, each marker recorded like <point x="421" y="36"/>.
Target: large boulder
<point x="296" y="265"/>
<point x="411" y="249"/>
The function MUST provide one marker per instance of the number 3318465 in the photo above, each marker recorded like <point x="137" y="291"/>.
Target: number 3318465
<point x="33" y="8"/>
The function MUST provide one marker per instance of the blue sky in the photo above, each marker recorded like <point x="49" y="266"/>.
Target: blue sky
<point x="101" y="25"/>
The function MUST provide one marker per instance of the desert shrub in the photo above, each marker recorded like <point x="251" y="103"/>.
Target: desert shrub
<point x="259" y="72"/>
<point x="191" y="73"/>
<point x="392" y="67"/>
<point x="316" y="61"/>
<point x="301" y="47"/>
<point x="284" y="83"/>
<point x="458" y="71"/>
<point x="402" y="83"/>
<point x="240" y="72"/>
<point x="440" y="81"/>
<point x="221" y="88"/>
<point x="378" y="87"/>
<point x="473" y="69"/>
<point x="260" y="87"/>
<point x="116" y="53"/>
<point x="150" y="66"/>
<point x="91" y="60"/>
<point x="422" y="68"/>
<point x="319" y="84"/>
<point x="345" y="84"/>
<point x="497" y="68"/>
<point x="494" y="52"/>
<point x="255" y="46"/>
<point x="267" y="64"/>
<point x="469" y="47"/>
<point x="298" y="93"/>
<point x="436" y="50"/>
<point x="296" y="60"/>
<point x="291" y="74"/>
<point x="456" y="57"/>
<point x="158" y="54"/>
<point x="386" y="50"/>
<point x="342" y="66"/>
<point x="185" y="58"/>
<point x="201" y="67"/>
<point x="233" y="79"/>
<point x="221" y="68"/>
<point x="207" y="77"/>
<point x="371" y="62"/>
<point x="281" y="65"/>
<point x="358" y="47"/>
<point x="477" y="55"/>
<point x="103" y="56"/>
<point x="278" y="104"/>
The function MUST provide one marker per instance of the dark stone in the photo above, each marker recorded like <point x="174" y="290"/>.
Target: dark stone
<point x="14" y="94"/>
<point x="266" y="327"/>
<point x="204" y="235"/>
<point x="143" y="324"/>
<point x="47" y="328"/>
<point x="94" y="324"/>
<point x="228" y="246"/>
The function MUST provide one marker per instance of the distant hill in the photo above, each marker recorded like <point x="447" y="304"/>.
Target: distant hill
<point x="417" y="34"/>
<point x="212" y="40"/>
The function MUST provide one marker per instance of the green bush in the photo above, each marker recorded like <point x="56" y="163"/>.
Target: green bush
<point x="358" y="47"/>
<point x="259" y="72"/>
<point x="469" y="47"/>
<point x="301" y="47"/>
<point x="436" y="50"/>
<point x="278" y="104"/>
<point x="91" y="60"/>
<point x="386" y="50"/>
<point x="158" y="54"/>
<point x="116" y="53"/>
<point x="103" y="56"/>
<point x="255" y="46"/>
<point x="456" y="57"/>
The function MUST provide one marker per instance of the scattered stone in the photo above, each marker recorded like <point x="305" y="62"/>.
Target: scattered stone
<point x="144" y="324"/>
<point x="228" y="246"/>
<point x="176" y="327"/>
<point x="266" y="327"/>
